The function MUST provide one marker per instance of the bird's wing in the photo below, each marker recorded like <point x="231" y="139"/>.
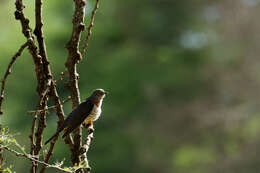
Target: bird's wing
<point x="77" y="116"/>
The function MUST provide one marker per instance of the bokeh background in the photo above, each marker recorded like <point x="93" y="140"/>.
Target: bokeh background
<point x="183" y="78"/>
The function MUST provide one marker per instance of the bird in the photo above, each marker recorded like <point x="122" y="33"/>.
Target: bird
<point x="85" y="113"/>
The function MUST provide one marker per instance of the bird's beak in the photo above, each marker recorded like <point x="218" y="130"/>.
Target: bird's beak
<point x="106" y="92"/>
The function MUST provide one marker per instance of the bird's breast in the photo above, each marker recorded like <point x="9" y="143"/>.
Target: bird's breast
<point x="94" y="114"/>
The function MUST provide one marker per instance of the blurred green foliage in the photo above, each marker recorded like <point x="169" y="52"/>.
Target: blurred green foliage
<point x="178" y="101"/>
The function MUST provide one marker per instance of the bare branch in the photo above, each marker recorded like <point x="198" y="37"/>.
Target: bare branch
<point x="42" y="118"/>
<point x="47" y="73"/>
<point x="39" y="34"/>
<point x="86" y="148"/>
<point x="41" y="79"/>
<point x="91" y="24"/>
<point x="8" y="71"/>
<point x="31" y="136"/>
<point x="73" y="58"/>
<point x="27" y="31"/>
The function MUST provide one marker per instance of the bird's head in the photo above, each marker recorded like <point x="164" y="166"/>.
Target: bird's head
<point x="98" y="94"/>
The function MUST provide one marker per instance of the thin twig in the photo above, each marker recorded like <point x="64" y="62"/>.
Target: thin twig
<point x="91" y="24"/>
<point x="32" y="142"/>
<point x="8" y="71"/>
<point x="30" y="157"/>
<point x="50" y="107"/>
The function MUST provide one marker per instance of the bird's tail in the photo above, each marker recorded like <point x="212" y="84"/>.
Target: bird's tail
<point x="51" y="138"/>
<point x="57" y="133"/>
